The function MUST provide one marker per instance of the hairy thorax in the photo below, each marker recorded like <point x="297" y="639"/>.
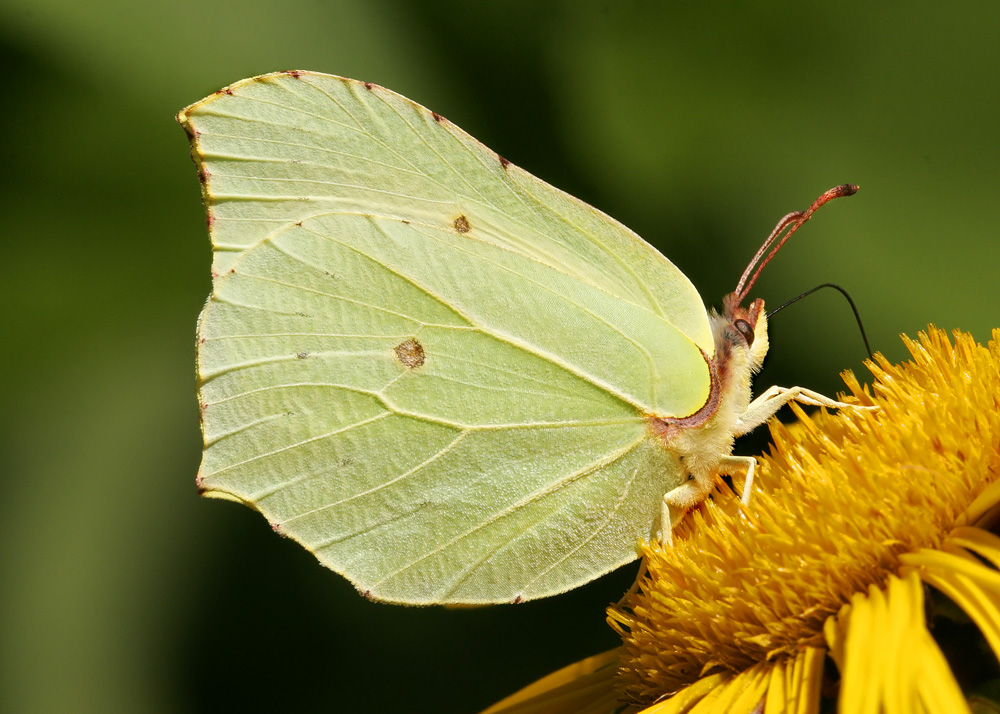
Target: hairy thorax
<point x="703" y="440"/>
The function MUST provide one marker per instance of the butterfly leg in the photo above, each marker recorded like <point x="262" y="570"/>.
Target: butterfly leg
<point x="689" y="494"/>
<point x="739" y="464"/>
<point x="774" y="398"/>
<point x="678" y="501"/>
<point x="691" y="491"/>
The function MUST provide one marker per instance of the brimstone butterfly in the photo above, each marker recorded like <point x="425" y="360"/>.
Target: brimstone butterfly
<point x="449" y="380"/>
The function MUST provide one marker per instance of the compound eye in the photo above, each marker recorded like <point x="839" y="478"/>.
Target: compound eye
<point x="745" y="329"/>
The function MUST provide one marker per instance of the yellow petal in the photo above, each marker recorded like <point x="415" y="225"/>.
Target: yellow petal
<point x="691" y="696"/>
<point x="979" y="541"/>
<point x="741" y="694"/>
<point x="586" y="685"/>
<point x="977" y="603"/>
<point x="931" y="561"/>
<point x="777" y="692"/>
<point x="892" y="664"/>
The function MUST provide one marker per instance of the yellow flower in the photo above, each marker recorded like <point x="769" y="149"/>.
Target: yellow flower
<point x="854" y="515"/>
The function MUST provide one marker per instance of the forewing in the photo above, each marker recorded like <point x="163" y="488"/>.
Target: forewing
<point x="282" y="147"/>
<point x="442" y="409"/>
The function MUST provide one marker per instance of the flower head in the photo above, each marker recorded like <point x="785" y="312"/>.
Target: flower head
<point x="854" y="513"/>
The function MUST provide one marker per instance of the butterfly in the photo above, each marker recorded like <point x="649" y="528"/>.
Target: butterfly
<point x="450" y="381"/>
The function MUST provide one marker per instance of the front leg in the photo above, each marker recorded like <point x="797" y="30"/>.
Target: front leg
<point x="774" y="398"/>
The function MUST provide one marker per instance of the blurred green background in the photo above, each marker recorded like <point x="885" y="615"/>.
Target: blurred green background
<point x="122" y="591"/>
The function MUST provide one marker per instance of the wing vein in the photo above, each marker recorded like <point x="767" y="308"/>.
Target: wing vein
<point x="611" y="513"/>
<point x="508" y="339"/>
<point x="526" y="501"/>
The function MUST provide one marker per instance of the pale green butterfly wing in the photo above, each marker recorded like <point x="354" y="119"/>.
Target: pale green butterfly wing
<point x="427" y="366"/>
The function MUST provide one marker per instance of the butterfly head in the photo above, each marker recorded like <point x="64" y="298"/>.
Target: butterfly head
<point x="744" y="329"/>
<point x="747" y="328"/>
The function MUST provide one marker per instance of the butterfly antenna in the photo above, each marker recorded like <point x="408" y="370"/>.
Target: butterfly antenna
<point x="789" y="224"/>
<point x="857" y="315"/>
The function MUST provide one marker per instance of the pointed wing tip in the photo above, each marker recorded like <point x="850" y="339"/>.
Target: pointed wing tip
<point x="231" y="89"/>
<point x="183" y="117"/>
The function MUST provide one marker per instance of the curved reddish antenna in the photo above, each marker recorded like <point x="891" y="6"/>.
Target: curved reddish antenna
<point x="791" y="222"/>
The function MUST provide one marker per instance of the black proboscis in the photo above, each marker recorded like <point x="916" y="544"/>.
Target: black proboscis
<point x="857" y="315"/>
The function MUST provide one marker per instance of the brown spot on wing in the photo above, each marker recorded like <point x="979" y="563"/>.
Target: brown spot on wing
<point x="437" y="117"/>
<point x="410" y="353"/>
<point x="503" y="162"/>
<point x="461" y="224"/>
<point x="294" y="73"/>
